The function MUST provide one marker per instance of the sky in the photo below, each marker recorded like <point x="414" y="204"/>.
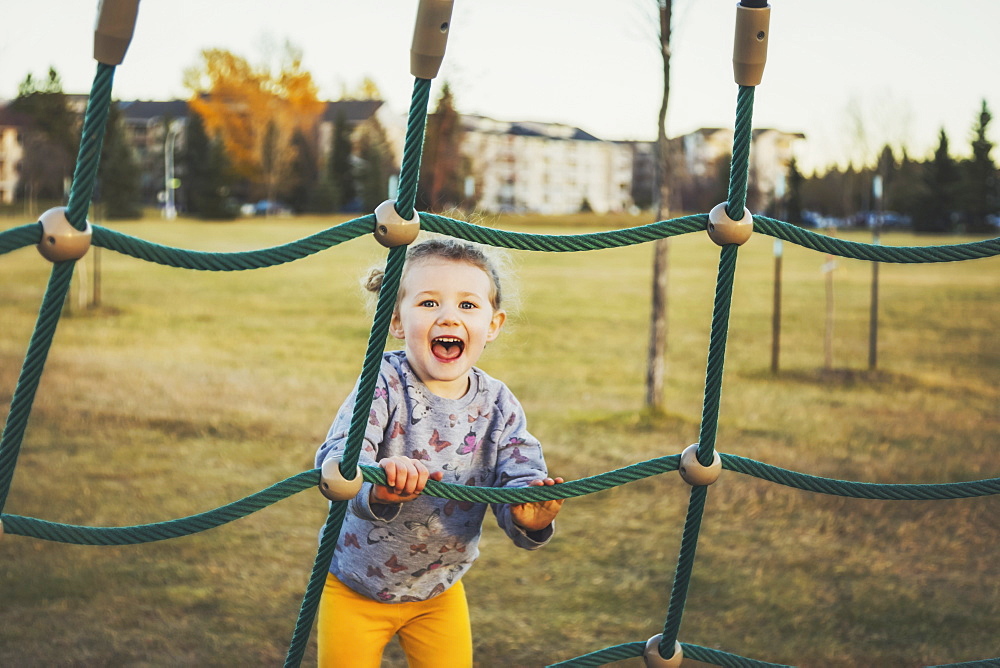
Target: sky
<point x="900" y="70"/>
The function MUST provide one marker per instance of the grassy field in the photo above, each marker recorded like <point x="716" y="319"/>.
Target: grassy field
<point x="187" y="390"/>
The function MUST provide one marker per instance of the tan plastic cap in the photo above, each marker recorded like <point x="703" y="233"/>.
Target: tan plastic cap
<point x="750" y="44"/>
<point x="652" y="657"/>
<point x="724" y="230"/>
<point x="390" y="228"/>
<point x="334" y="486"/>
<point x="113" y="30"/>
<point x="60" y="240"/>
<point x="694" y="472"/>
<point x="430" y="37"/>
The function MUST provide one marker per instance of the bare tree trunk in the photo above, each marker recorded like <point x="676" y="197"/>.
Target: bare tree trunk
<point x="656" y="366"/>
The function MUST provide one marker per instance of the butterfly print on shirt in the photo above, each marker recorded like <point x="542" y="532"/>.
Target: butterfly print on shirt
<point x="394" y="565"/>
<point x="378" y="534"/>
<point x="437" y="443"/>
<point x="438" y="589"/>
<point x="352" y="540"/>
<point x="513" y="443"/>
<point x="397" y="430"/>
<point x="375" y="572"/>
<point x="433" y="566"/>
<point x="469" y="444"/>
<point x="518" y="457"/>
<point x="421" y="454"/>
<point x="423" y="529"/>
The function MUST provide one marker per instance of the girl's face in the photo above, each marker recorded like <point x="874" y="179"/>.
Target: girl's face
<point x="446" y="319"/>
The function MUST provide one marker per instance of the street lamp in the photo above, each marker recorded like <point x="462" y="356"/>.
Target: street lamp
<point x="169" y="181"/>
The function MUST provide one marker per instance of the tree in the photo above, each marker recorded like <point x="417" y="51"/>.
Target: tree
<point x="50" y="144"/>
<point x="374" y="166"/>
<point x="305" y="175"/>
<point x="118" y="174"/>
<point x="445" y="168"/>
<point x="208" y="175"/>
<point x="256" y="112"/>
<point x="656" y="365"/>
<point x="340" y="172"/>
<point x="793" y="197"/>
<point x="980" y="172"/>
<point x="940" y="182"/>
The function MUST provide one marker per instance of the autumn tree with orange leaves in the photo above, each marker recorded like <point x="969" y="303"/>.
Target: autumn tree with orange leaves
<point x="257" y="111"/>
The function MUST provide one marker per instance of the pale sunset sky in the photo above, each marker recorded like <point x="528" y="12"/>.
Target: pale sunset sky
<point x="905" y="69"/>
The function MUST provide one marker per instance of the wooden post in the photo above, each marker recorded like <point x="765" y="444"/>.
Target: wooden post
<point x="873" y="314"/>
<point x="776" y="312"/>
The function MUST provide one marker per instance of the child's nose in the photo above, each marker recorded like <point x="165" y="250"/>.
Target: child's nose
<point x="449" y="315"/>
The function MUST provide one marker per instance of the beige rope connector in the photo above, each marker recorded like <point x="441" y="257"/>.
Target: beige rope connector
<point x="430" y="37"/>
<point x="694" y="472"/>
<point x="750" y="43"/>
<point x="334" y="486"/>
<point x="60" y="240"/>
<point x="724" y="230"/>
<point x="390" y="228"/>
<point x="113" y="30"/>
<point x="651" y="655"/>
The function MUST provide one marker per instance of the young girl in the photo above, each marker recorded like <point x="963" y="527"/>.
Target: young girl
<point x="400" y="557"/>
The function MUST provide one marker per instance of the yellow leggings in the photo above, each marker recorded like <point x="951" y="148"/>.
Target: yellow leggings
<point x="352" y="629"/>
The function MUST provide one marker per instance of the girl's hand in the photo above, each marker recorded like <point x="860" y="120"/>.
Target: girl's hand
<point x="536" y="516"/>
<point x="406" y="479"/>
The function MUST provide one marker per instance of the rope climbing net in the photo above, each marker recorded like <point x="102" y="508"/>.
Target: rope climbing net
<point x="64" y="235"/>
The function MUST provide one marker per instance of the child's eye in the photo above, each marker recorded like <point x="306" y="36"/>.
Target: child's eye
<point x="428" y="303"/>
<point x="467" y="305"/>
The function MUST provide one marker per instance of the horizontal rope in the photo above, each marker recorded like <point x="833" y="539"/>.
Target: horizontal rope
<point x="19" y="237"/>
<point x="238" y="261"/>
<point x="562" y="243"/>
<point x="636" y="649"/>
<point x="148" y="533"/>
<point x="875" y="252"/>
<point x="861" y="490"/>
<point x="82" y="535"/>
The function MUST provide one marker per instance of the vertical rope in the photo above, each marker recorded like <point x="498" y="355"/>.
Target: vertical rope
<point x="31" y="373"/>
<point x="738" y="175"/>
<point x="91" y="140"/>
<point x="740" y="168"/>
<point x="409" y="171"/>
<point x="314" y="590"/>
<point x="717" y="353"/>
<point x="408" y="177"/>
<point x="373" y="360"/>
<point x="682" y="576"/>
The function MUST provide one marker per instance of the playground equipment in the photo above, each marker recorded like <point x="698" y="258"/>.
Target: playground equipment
<point x="64" y="235"/>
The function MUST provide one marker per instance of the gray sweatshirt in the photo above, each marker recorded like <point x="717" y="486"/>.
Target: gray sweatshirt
<point x="415" y="550"/>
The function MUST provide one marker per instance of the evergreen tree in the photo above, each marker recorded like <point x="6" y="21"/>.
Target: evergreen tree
<point x="442" y="183"/>
<point x="980" y="173"/>
<point x="793" y="197"/>
<point x="118" y="174"/>
<point x="340" y="171"/>
<point x="50" y="146"/>
<point x="374" y="165"/>
<point x="940" y="183"/>
<point x="305" y="175"/>
<point x="208" y="175"/>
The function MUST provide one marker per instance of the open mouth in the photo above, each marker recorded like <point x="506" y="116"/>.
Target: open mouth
<point x="447" y="348"/>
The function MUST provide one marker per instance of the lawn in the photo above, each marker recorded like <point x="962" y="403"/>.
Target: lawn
<point x="187" y="390"/>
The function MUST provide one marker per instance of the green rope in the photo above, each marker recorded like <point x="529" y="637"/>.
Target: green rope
<point x="607" y="655"/>
<point x="682" y="575"/>
<point x="31" y="373"/>
<point x="19" y="237"/>
<point x="82" y="535"/>
<point x="237" y="261"/>
<point x="739" y="170"/>
<point x="317" y="579"/>
<point x="88" y="160"/>
<point x="148" y="533"/>
<point x="566" y="242"/>
<point x="717" y="354"/>
<point x="874" y="252"/>
<point x="409" y="170"/>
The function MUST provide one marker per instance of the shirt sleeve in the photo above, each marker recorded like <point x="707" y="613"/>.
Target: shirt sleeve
<point x="519" y="461"/>
<point x="336" y="443"/>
